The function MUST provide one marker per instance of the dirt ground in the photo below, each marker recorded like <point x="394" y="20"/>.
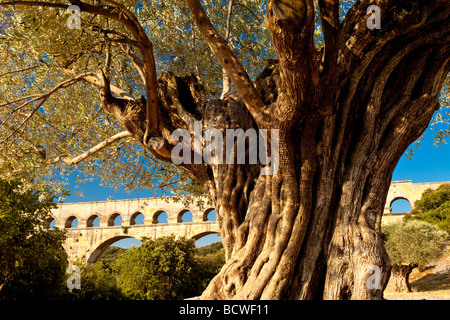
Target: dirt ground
<point x="433" y="283"/>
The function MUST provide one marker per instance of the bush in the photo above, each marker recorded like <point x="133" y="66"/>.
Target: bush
<point x="97" y="283"/>
<point x="160" y="269"/>
<point x="414" y="242"/>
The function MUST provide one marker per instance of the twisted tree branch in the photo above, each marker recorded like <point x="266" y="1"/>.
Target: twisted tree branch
<point x="228" y="60"/>
<point x="102" y="145"/>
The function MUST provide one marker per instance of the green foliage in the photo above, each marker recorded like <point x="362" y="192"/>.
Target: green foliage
<point x="203" y="264"/>
<point x="110" y="255"/>
<point x="414" y="242"/>
<point x="210" y="258"/>
<point x="97" y="283"/>
<point x="33" y="261"/>
<point x="161" y="269"/>
<point x="441" y="118"/>
<point x="433" y="207"/>
<point x="71" y="120"/>
<point x="35" y="43"/>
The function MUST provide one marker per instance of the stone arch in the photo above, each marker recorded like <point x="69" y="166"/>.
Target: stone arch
<point x="93" y="257"/>
<point x="182" y="213"/>
<point x="202" y="234"/>
<point x="134" y="216"/>
<point x="112" y="218"/>
<point x="48" y="222"/>
<point x="156" y="215"/>
<point x="69" y="221"/>
<point x="90" y="220"/>
<point x="206" y="213"/>
<point x="400" y="198"/>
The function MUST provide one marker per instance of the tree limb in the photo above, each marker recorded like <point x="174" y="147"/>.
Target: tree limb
<point x="291" y="25"/>
<point x="137" y="62"/>
<point x="227" y="59"/>
<point x="44" y="98"/>
<point x="97" y="80"/>
<point x="226" y="79"/>
<point x="120" y="13"/>
<point x="19" y="70"/>
<point x="151" y="85"/>
<point x="102" y="145"/>
<point x="329" y="11"/>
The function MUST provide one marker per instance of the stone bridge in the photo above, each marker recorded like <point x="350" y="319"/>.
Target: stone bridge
<point x="98" y="225"/>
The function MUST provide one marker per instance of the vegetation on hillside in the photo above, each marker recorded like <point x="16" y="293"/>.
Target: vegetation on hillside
<point x="166" y="268"/>
<point x="433" y="207"/>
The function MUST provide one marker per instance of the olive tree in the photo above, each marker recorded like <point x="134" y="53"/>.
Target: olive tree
<point x="346" y="89"/>
<point x="412" y="244"/>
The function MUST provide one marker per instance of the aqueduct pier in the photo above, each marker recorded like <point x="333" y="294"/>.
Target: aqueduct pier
<point x="97" y="226"/>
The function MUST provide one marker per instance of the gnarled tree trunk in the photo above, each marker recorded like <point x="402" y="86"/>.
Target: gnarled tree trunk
<point x="345" y="116"/>
<point x="400" y="277"/>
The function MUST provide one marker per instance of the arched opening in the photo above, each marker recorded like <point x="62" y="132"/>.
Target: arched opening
<point x="115" y="220"/>
<point x="71" y="222"/>
<point x="185" y="216"/>
<point x="119" y="241"/>
<point x="93" y="221"/>
<point x="137" y="219"/>
<point x="49" y="223"/>
<point x="206" y="238"/>
<point x="400" y="205"/>
<point x="210" y="215"/>
<point x="160" y="217"/>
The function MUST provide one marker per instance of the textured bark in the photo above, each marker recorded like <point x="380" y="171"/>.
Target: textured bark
<point x="400" y="277"/>
<point x="345" y="116"/>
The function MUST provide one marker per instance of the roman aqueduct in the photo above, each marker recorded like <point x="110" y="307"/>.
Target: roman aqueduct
<point x="97" y="226"/>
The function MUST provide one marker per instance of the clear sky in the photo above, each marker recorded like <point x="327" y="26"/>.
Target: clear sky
<point x="428" y="164"/>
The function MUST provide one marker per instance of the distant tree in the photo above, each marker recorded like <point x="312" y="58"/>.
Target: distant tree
<point x="414" y="243"/>
<point x="110" y="255"/>
<point x="160" y="269"/>
<point x="211" y="259"/>
<point x="32" y="259"/>
<point x="433" y="207"/>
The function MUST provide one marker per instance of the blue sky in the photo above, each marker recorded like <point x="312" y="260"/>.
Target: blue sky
<point x="428" y="164"/>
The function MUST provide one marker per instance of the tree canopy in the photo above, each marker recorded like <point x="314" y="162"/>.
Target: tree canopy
<point x="414" y="242"/>
<point x="160" y="269"/>
<point x="47" y="68"/>
<point x="32" y="259"/>
<point x="411" y="244"/>
<point x="50" y="108"/>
